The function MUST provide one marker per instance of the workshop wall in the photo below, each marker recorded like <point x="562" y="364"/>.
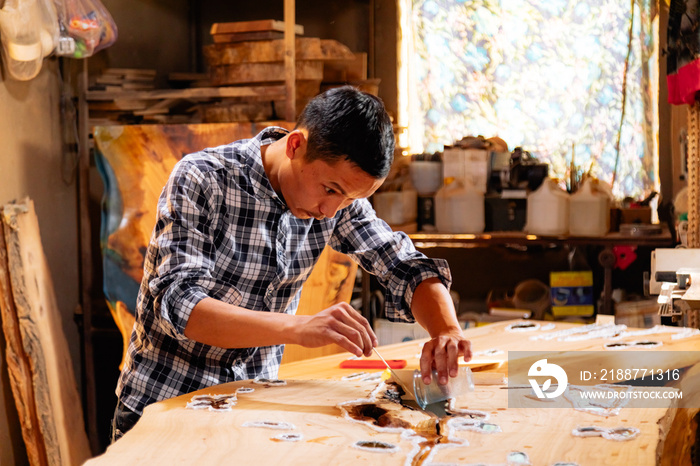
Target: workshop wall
<point x="32" y="164"/>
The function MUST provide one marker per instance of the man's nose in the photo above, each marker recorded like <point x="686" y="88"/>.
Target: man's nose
<point x="330" y="207"/>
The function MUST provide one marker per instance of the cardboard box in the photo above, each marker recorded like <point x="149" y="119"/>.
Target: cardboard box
<point x="470" y="166"/>
<point x="572" y="293"/>
<point x="638" y="314"/>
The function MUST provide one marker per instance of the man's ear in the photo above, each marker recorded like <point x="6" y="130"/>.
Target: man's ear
<point x="296" y="144"/>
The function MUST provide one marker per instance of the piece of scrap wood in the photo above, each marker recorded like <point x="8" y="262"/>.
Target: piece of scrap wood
<point x="306" y="48"/>
<point x="253" y="26"/>
<point x="19" y="366"/>
<point x="56" y="395"/>
<point x="158" y="108"/>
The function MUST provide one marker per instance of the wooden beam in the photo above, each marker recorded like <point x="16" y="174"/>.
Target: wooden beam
<point x="265" y="51"/>
<point x="289" y="57"/>
<point x="253" y="26"/>
<point x="271" y="92"/>
<point x="84" y="312"/>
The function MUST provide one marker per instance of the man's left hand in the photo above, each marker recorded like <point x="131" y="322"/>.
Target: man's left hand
<point x="442" y="353"/>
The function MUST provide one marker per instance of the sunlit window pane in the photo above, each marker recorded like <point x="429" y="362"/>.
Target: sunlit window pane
<point x="550" y="76"/>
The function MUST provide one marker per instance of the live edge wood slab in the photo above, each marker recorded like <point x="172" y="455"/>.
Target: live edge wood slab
<point x="38" y="359"/>
<point x="320" y="415"/>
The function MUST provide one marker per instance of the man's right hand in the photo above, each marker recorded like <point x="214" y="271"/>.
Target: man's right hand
<point x="340" y="324"/>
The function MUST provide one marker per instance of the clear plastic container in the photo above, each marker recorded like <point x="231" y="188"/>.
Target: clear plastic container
<point x="434" y="392"/>
<point x="548" y="210"/>
<point x="589" y="211"/>
<point x="459" y="209"/>
<point x="21" y="38"/>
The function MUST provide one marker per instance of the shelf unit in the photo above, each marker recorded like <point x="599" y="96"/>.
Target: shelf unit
<point x="606" y="257"/>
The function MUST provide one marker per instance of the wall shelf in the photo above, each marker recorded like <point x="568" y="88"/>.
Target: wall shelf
<point x="428" y="240"/>
<point x="605" y="244"/>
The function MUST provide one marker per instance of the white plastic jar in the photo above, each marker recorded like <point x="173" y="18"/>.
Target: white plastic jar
<point x="589" y="211"/>
<point x="459" y="209"/>
<point x="548" y="210"/>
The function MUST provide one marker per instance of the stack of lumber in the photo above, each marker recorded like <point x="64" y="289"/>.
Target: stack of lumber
<point x="245" y="81"/>
<point x="124" y="79"/>
<point x="252" y="53"/>
<point x="131" y="102"/>
<point x="38" y="360"/>
<point x="118" y="104"/>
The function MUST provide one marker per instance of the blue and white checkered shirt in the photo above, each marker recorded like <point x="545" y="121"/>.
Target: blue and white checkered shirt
<point x="223" y="232"/>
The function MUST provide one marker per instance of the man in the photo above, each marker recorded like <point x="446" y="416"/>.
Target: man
<point x="239" y="228"/>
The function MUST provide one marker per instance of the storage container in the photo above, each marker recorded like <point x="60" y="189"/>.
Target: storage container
<point x="396" y="207"/>
<point x="426" y="176"/>
<point x="548" y="210"/>
<point x="589" y="211"/>
<point x="459" y="209"/>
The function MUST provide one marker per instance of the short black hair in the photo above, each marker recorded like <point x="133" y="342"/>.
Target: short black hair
<point x="346" y="123"/>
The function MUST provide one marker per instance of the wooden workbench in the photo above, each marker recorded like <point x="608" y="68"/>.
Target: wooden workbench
<point x="327" y="413"/>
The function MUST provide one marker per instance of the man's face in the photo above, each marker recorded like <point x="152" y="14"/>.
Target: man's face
<point x="319" y="189"/>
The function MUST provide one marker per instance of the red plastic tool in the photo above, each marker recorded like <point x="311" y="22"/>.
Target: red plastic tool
<point x="372" y="364"/>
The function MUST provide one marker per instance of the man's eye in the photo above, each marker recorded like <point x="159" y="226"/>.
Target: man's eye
<point x="329" y="190"/>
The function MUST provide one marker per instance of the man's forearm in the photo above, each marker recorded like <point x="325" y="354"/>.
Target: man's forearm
<point x="216" y="323"/>
<point x="433" y="308"/>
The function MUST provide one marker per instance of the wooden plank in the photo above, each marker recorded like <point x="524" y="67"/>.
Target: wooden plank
<point x="267" y="92"/>
<point x="131" y="72"/>
<point x="246" y="36"/>
<point x="306" y="48"/>
<point x="158" y="108"/>
<point x="57" y="400"/>
<point x="256" y="73"/>
<point x="19" y="367"/>
<point x="251" y="26"/>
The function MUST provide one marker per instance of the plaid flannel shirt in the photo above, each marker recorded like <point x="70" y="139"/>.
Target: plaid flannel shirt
<point x="223" y="232"/>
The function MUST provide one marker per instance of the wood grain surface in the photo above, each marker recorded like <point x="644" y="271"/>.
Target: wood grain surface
<point x="318" y="397"/>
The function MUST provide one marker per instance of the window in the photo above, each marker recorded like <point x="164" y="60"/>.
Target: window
<point x="556" y="77"/>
